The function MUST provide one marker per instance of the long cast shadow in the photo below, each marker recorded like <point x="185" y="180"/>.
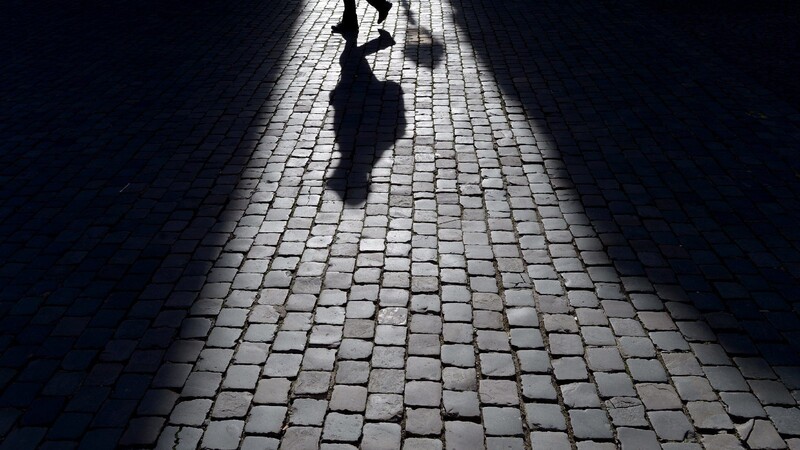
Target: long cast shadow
<point x="685" y="168"/>
<point x="421" y="45"/>
<point x="761" y="39"/>
<point x="125" y="128"/>
<point x="369" y="116"/>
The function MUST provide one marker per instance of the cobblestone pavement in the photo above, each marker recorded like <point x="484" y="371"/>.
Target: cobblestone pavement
<point x="495" y="224"/>
<point x="755" y="37"/>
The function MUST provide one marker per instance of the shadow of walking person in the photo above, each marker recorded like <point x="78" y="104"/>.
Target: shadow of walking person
<point x="368" y="118"/>
<point x="422" y="46"/>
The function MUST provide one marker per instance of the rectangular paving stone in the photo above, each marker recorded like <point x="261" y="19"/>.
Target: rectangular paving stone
<point x="172" y="375"/>
<point x="570" y="368"/>
<point x="312" y="383"/>
<point x="390" y="357"/>
<point x="422" y="444"/>
<point x="526" y="338"/>
<point x="604" y="359"/>
<point x="423" y="421"/>
<point x="634" y="438"/>
<point x="301" y="437"/>
<point x="538" y="387"/>
<point x="545" y="416"/>
<point x="709" y="415"/>
<point x="389" y="381"/>
<point x="590" y="424"/>
<point x="191" y="412"/>
<point x="459" y="435"/>
<point x="224" y="434"/>
<point x="283" y="365"/>
<point x="359" y="329"/>
<point x="458" y="355"/>
<point x="229" y="405"/>
<point x="355" y="349"/>
<point x="390" y="335"/>
<point x="580" y="395"/>
<point x="241" y="376"/>
<point x="272" y="390"/>
<point x="694" y="388"/>
<point x="318" y="359"/>
<point x="502" y="421"/>
<point x="497" y="364"/>
<point x="423" y="393"/>
<point x="670" y="425"/>
<point x="381" y="436"/>
<point x="251" y="353"/>
<point x="498" y="392"/>
<point x="201" y="384"/>
<point x="384" y="407"/>
<point x="459" y="379"/>
<point x="682" y="364"/>
<point x="459" y="333"/>
<point x="658" y="396"/>
<point x="550" y="439"/>
<point x="307" y="411"/>
<point x="536" y="361"/>
<point x="493" y="341"/>
<point x="742" y="404"/>
<point x="348" y="398"/>
<point x="771" y="392"/>
<point x="461" y="404"/>
<point x="424" y="344"/>
<point x="265" y="419"/>
<point x="418" y="368"/>
<point x="353" y="372"/>
<point x="725" y="378"/>
<point x="342" y="427"/>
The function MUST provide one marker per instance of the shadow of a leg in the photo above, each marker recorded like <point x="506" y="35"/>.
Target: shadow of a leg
<point x="369" y="116"/>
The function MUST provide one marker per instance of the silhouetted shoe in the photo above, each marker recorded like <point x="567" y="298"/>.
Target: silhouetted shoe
<point x="383" y="12"/>
<point x="343" y="28"/>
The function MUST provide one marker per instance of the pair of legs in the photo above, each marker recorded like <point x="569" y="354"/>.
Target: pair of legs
<point x="350" y="19"/>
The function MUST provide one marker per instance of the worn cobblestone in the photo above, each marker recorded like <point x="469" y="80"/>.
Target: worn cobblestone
<point x="475" y="225"/>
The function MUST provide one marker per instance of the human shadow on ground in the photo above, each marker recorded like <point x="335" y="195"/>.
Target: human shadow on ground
<point x="684" y="167"/>
<point x="369" y="116"/>
<point x="421" y="45"/>
<point x="125" y="131"/>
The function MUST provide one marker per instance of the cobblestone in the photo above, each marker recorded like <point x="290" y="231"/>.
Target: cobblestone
<point x="423" y="421"/>
<point x="463" y="435"/>
<point x="348" y="398"/>
<point x="671" y="425"/>
<point x="384" y="407"/>
<point x="545" y="416"/>
<point x="475" y="225"/>
<point x="341" y="427"/>
<point x="231" y="404"/>
<point x="223" y="435"/>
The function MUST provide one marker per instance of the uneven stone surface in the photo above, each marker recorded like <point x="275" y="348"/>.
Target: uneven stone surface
<point x="478" y="224"/>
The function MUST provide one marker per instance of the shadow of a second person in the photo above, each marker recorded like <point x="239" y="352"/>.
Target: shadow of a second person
<point x="369" y="117"/>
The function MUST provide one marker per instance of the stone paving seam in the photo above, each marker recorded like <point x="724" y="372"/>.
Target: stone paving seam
<point x="542" y="178"/>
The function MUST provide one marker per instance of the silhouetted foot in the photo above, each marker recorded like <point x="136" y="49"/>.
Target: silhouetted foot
<point x="343" y="28"/>
<point x="383" y="12"/>
<point x="385" y="39"/>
